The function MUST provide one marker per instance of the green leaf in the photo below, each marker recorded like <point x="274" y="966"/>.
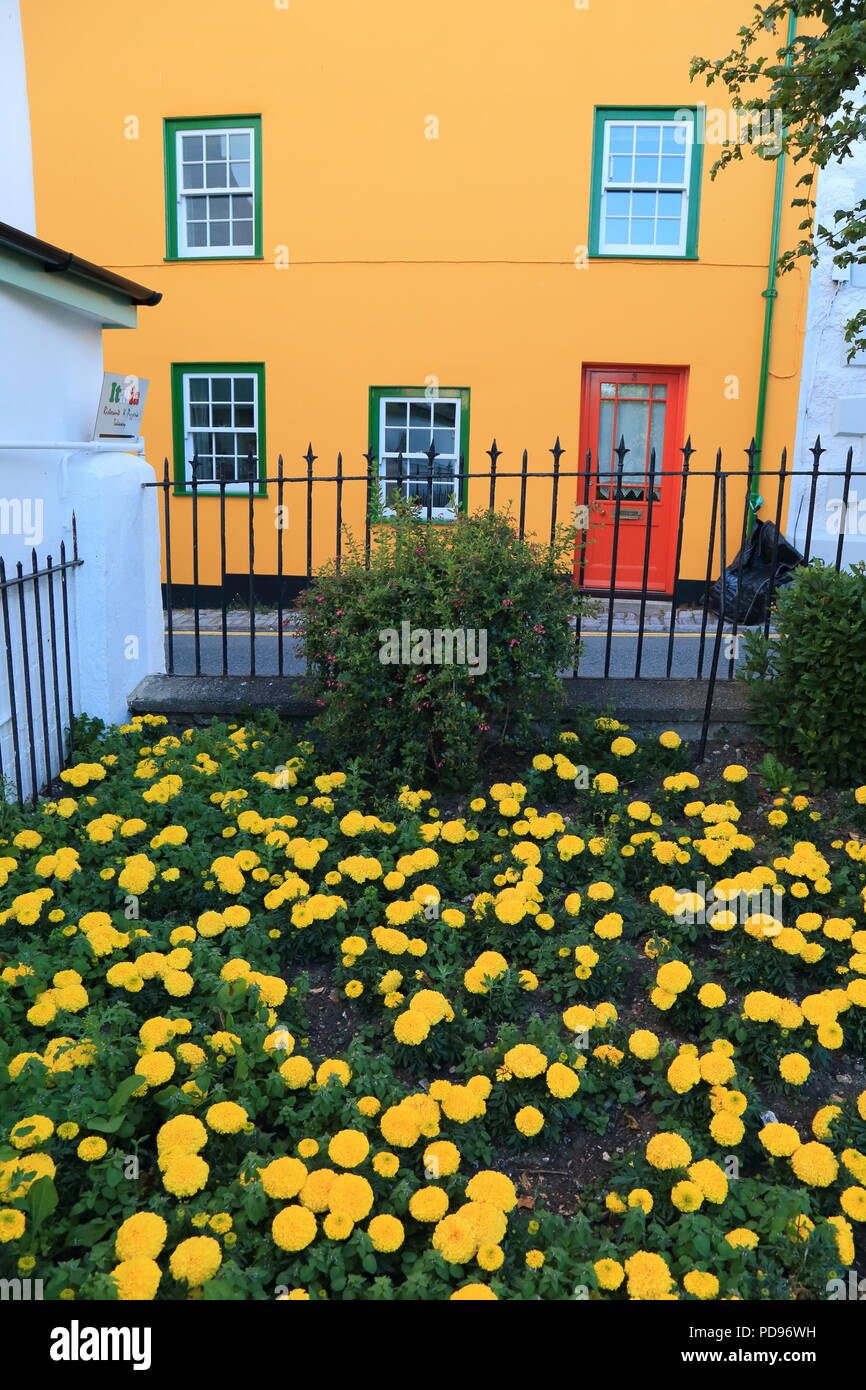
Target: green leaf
<point x="42" y="1200"/>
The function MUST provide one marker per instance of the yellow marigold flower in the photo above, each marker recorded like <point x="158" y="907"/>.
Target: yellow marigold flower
<point x="137" y="1279"/>
<point x="293" y="1228"/>
<point x="814" y="1163"/>
<point x="297" y="1072"/>
<point x="525" y="1060"/>
<point x="674" y="976"/>
<point x="648" y="1276"/>
<point x="529" y="1120"/>
<point x="386" y="1233"/>
<point x="185" y="1174"/>
<point x="351" y="1195"/>
<point x="667" y="1150"/>
<point x="779" y="1140"/>
<point x="348" y="1148"/>
<point x="196" y="1260"/>
<point x="794" y="1068"/>
<point x="727" y="1129"/>
<point x="609" y="1273"/>
<point x="141" y="1236"/>
<point x="643" y="1044"/>
<point x="12" y="1225"/>
<point x="700" y="1284"/>
<point x="32" y="1130"/>
<point x="92" y="1148"/>
<point x="226" y="1117"/>
<point x="640" y="1197"/>
<point x="742" y="1239"/>
<point x="283" y="1177"/>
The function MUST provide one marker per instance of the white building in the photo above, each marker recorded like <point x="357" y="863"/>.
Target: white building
<point x="833" y="390"/>
<point x="53" y="308"/>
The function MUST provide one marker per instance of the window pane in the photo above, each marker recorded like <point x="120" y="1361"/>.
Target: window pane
<point x="617" y="204"/>
<point x="444" y="442"/>
<point x="192" y="176"/>
<point x="647" y="139"/>
<point x="668" y="233"/>
<point x="192" y="146"/>
<point x="670" y="204"/>
<point x="216" y="175"/>
<point x="239" y="146"/>
<point x="215" y="146"/>
<point x="199" y="414"/>
<point x="244" y="417"/>
<point x="621" y="138"/>
<point x="243" y="388"/>
<point x="221" y="388"/>
<point x="221" y="417"/>
<point x="673" y="168"/>
<point x="219" y="234"/>
<point x="444" y="413"/>
<point x="621" y="169"/>
<point x="633" y="390"/>
<point x="196" y="234"/>
<point x="219" y="207"/>
<point x="646" y="169"/>
<point x="395" y="440"/>
<point x="643" y="205"/>
<point x="239" y="175"/>
<point x="657" y="433"/>
<point x="642" y="229"/>
<point x="605" y="435"/>
<point x="419" y="440"/>
<point x="419" y="413"/>
<point x="675" y="136"/>
<point x="198" y="388"/>
<point x="616" y="231"/>
<point x="632" y="423"/>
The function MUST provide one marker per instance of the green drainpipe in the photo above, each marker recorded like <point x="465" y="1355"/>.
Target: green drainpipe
<point x="770" y="295"/>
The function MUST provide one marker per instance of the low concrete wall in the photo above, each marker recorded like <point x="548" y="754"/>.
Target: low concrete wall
<point x="648" y="706"/>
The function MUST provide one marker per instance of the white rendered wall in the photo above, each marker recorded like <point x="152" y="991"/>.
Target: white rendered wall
<point x="16" y="199"/>
<point x="50" y="377"/>
<point x="832" y="391"/>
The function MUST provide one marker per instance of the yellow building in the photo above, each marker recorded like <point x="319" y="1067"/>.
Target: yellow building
<point x="379" y="225"/>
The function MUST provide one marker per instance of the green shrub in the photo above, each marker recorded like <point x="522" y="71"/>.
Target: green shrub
<point x="807" y="682"/>
<point x="414" y="718"/>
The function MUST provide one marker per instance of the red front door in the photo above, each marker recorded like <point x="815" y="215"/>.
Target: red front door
<point x="644" y="407"/>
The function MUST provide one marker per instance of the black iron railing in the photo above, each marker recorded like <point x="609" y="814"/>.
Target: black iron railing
<point x="724" y="522"/>
<point x="36" y="679"/>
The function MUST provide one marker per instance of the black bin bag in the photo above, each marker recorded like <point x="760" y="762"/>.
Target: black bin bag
<point x="745" y="591"/>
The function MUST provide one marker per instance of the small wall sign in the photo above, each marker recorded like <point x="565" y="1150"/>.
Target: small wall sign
<point x="121" y="404"/>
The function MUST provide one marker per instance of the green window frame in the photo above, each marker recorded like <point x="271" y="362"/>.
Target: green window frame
<point x="220" y="191"/>
<point x="225" y="396"/>
<point x="392" y="426"/>
<point x="637" y="183"/>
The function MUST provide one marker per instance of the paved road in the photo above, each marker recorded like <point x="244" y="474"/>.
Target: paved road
<point x="622" y="659"/>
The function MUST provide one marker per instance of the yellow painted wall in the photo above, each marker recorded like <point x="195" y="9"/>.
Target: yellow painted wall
<point x="409" y="257"/>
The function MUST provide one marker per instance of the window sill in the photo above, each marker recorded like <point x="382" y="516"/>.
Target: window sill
<point x="232" y="490"/>
<point x="632" y="256"/>
<point x="210" y="260"/>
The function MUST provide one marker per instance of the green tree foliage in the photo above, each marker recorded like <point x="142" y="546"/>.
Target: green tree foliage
<point x="805" y="93"/>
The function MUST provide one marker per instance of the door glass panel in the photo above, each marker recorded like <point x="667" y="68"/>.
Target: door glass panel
<point x="657" y="437"/>
<point x="635" y="413"/>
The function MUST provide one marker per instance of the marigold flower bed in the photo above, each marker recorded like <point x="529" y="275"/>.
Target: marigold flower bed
<point x="183" y="1117"/>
